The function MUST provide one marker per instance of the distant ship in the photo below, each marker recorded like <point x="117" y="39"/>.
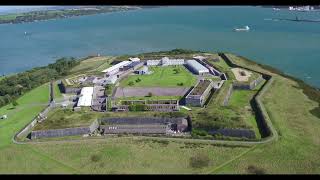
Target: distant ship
<point x="246" y="28"/>
<point x="276" y="9"/>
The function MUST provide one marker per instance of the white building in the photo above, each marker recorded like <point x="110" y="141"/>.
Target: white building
<point x="134" y="59"/>
<point x="115" y="68"/>
<point x="197" y="68"/>
<point x="153" y="62"/>
<point x="85" y="96"/>
<point x="111" y="79"/>
<point x="165" y="61"/>
<point x="201" y="58"/>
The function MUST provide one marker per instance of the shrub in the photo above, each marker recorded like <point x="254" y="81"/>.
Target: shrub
<point x="180" y="84"/>
<point x="255" y="170"/>
<point x="199" y="132"/>
<point x="95" y="158"/>
<point x="199" y="161"/>
<point x="131" y="83"/>
<point x="150" y="94"/>
<point x="137" y="107"/>
<point x="138" y="80"/>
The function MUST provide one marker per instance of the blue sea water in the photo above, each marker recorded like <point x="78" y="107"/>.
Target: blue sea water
<point x="293" y="47"/>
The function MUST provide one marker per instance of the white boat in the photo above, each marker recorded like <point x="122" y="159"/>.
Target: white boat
<point x="246" y="28"/>
<point x="276" y="9"/>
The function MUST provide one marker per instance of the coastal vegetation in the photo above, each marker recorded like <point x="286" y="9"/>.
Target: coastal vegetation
<point x="16" y="85"/>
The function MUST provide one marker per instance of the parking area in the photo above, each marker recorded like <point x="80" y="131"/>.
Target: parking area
<point x="144" y="91"/>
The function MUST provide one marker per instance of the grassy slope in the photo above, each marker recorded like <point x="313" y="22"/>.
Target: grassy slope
<point x="29" y="106"/>
<point x="60" y="118"/>
<point x="132" y="155"/>
<point x="57" y="93"/>
<point x="240" y="101"/>
<point x="114" y="155"/>
<point x="90" y="64"/>
<point x="162" y="76"/>
<point x="298" y="147"/>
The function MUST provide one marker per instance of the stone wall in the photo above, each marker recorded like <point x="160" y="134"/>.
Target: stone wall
<point x="228" y="95"/>
<point x="60" y="132"/>
<point x="64" y="132"/>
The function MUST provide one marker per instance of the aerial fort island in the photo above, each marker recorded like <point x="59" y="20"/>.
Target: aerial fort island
<point x="191" y="110"/>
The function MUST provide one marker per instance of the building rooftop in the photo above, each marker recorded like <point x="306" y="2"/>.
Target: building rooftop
<point x="134" y="59"/>
<point x="85" y="96"/>
<point x="117" y="66"/>
<point x="197" y="66"/>
<point x="200" y="87"/>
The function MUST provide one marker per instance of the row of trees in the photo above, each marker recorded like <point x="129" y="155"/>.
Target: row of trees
<point x="14" y="86"/>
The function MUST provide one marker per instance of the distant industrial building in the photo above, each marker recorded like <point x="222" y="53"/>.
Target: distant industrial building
<point x="165" y="61"/>
<point x="116" y="68"/>
<point x="197" y="68"/>
<point x="85" y="97"/>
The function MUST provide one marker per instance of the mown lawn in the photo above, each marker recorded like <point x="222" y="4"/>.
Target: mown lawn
<point x="162" y="77"/>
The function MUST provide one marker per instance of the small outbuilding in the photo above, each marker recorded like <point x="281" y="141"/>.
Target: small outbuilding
<point x="143" y="70"/>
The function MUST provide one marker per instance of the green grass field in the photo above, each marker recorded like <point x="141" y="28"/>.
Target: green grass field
<point x="240" y="101"/>
<point x="29" y="106"/>
<point x="66" y="118"/>
<point x="91" y="64"/>
<point x="57" y="93"/>
<point x="162" y="77"/>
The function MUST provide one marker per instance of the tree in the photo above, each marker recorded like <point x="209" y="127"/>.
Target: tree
<point x="14" y="103"/>
<point x="150" y="94"/>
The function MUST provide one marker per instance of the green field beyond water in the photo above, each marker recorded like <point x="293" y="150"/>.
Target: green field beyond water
<point x="169" y="76"/>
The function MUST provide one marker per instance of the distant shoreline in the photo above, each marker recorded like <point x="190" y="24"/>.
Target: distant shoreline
<point x="53" y="14"/>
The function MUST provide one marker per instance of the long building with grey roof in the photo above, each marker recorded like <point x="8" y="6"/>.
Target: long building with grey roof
<point x="196" y="67"/>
